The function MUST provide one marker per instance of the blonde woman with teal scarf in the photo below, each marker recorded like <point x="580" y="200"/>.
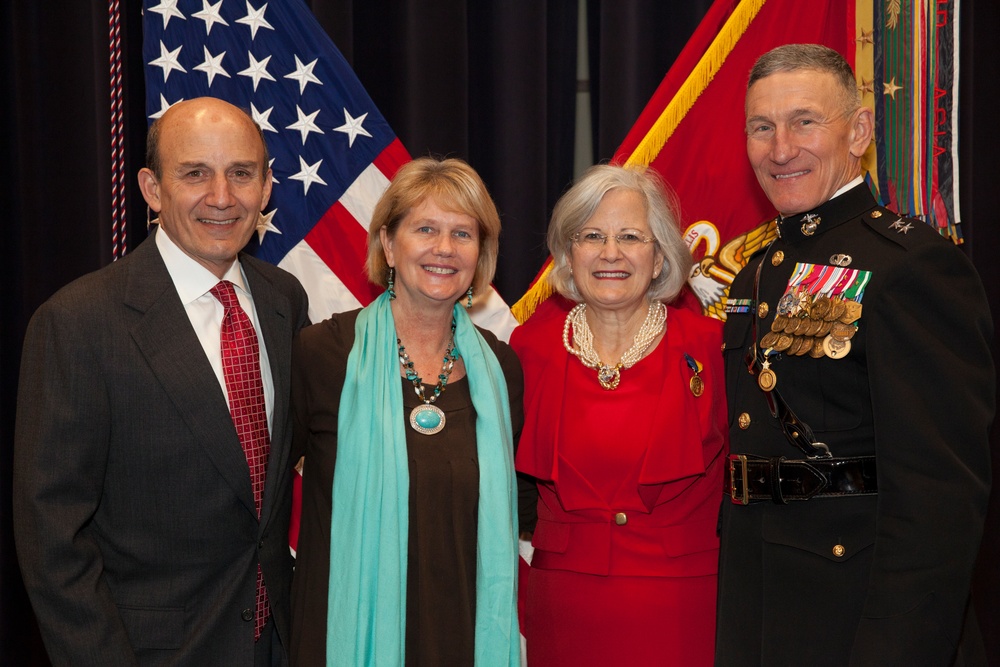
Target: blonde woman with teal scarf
<point x="407" y="415"/>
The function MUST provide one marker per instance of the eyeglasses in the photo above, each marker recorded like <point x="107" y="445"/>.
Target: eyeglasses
<point x="625" y="239"/>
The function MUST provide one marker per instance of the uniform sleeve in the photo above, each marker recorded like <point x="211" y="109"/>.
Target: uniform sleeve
<point x="60" y="456"/>
<point x="933" y="397"/>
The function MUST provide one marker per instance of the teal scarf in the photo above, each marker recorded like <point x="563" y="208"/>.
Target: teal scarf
<point x="366" y="621"/>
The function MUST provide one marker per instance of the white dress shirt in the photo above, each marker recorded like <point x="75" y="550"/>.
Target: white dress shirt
<point x="193" y="283"/>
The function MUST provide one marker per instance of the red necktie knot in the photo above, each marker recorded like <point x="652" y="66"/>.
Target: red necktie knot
<point x="226" y="294"/>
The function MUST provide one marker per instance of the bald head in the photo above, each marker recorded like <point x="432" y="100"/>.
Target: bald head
<point x="197" y="109"/>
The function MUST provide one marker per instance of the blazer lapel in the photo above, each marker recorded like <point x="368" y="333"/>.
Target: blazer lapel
<point x="675" y="425"/>
<point x="167" y="340"/>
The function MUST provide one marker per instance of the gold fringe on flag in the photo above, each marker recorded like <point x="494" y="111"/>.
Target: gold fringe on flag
<point x="540" y="290"/>
<point x="696" y="83"/>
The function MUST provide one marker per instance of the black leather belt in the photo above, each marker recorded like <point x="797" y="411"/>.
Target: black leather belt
<point x="779" y="479"/>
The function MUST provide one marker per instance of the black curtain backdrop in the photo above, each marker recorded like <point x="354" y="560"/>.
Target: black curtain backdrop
<point x="495" y="83"/>
<point x="488" y="81"/>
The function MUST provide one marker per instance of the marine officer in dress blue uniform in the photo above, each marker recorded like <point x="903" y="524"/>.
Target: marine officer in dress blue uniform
<point x="861" y="394"/>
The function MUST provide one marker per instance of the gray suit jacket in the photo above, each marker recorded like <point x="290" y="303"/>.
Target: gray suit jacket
<point x="133" y="511"/>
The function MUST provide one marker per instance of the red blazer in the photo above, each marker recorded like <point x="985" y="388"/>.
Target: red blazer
<point x="672" y="529"/>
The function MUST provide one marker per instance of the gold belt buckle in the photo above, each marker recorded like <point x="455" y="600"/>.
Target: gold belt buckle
<point x="739" y="496"/>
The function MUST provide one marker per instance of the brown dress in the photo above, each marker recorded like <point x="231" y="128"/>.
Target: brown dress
<point x="444" y="500"/>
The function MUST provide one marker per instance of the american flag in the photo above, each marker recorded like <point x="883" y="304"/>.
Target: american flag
<point x="332" y="152"/>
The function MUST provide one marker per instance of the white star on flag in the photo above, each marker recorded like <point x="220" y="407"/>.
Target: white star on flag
<point x="210" y="15"/>
<point x="255" y="19"/>
<point x="168" y="61"/>
<point x="164" y="105"/>
<point x="308" y="174"/>
<point x="352" y="127"/>
<point x="167" y="9"/>
<point x="261" y="117"/>
<point x="212" y="66"/>
<point x="264" y="225"/>
<point x="268" y="66"/>
<point x="257" y="70"/>
<point x="305" y="124"/>
<point x="304" y="74"/>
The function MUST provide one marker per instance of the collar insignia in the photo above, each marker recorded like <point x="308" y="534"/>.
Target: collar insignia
<point x="810" y="221"/>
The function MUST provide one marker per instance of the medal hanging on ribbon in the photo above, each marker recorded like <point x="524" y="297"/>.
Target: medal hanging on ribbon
<point x="696" y="384"/>
<point x="766" y="379"/>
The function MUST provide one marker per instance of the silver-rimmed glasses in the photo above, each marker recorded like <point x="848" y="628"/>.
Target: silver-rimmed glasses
<point x="593" y="238"/>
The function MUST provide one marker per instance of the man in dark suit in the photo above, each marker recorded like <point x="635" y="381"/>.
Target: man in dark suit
<point x="151" y="494"/>
<point x="861" y="393"/>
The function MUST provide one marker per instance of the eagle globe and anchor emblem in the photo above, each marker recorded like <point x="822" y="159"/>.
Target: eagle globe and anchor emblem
<point x="714" y="272"/>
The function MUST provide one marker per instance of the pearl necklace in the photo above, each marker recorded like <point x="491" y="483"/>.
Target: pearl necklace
<point x="609" y="376"/>
<point x="428" y="418"/>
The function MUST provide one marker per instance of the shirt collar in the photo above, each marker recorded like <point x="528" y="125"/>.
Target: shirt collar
<point x="191" y="279"/>
<point x="855" y="181"/>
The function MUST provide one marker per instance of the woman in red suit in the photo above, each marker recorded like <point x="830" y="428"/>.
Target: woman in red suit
<point x="625" y="434"/>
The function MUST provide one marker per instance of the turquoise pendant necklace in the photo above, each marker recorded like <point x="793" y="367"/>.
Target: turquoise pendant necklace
<point x="428" y="418"/>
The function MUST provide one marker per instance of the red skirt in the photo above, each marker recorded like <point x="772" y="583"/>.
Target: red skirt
<point x="578" y="619"/>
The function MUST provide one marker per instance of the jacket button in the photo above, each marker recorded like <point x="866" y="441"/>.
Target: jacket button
<point x="247" y="614"/>
<point x="744" y="420"/>
<point x="777" y="258"/>
<point x="762" y="309"/>
<point x="260" y="545"/>
<point x="838" y="550"/>
<point x="621" y="519"/>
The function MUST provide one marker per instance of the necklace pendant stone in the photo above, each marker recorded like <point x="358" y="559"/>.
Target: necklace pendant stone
<point x="427" y="419"/>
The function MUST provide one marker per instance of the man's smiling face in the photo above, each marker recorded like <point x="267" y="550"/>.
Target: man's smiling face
<point x="804" y="142"/>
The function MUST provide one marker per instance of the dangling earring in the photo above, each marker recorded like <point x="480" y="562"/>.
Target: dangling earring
<point x="468" y="304"/>
<point x="391" y="286"/>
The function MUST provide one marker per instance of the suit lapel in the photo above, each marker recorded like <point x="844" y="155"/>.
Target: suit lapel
<point x="274" y="317"/>
<point x="167" y="340"/>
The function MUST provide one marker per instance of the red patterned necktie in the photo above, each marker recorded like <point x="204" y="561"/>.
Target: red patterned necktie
<point x="241" y="369"/>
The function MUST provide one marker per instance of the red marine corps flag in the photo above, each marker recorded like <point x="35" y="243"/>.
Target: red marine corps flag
<point x="691" y="131"/>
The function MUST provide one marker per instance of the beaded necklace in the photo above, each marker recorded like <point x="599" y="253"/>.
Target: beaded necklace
<point x="609" y="376"/>
<point x="428" y="418"/>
